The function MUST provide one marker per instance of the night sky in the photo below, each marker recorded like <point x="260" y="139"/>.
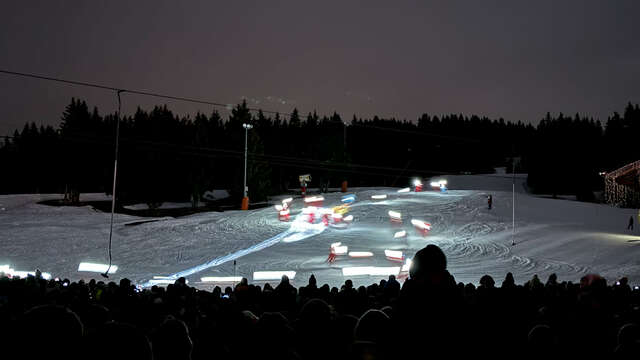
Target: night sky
<point x="398" y="59"/>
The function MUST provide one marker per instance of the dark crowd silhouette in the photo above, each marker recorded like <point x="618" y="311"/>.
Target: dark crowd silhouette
<point x="429" y="316"/>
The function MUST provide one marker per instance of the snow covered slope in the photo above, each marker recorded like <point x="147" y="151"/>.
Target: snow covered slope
<point x="566" y="237"/>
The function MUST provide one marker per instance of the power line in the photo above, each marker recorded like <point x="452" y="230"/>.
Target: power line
<point x="215" y="103"/>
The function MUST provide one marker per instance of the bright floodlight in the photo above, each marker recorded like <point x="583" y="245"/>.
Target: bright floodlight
<point x="378" y="197"/>
<point x="417" y="182"/>
<point x="221" y="279"/>
<point x="400" y="234"/>
<point x="370" y="270"/>
<point x="405" y="190"/>
<point x="348" y="218"/>
<point x="99" y="268"/>
<point x="247" y="126"/>
<point x="442" y="182"/>
<point x="273" y="275"/>
<point x="360" y="254"/>
<point x="394" y="214"/>
<point x="435" y="184"/>
<point x="5" y="268"/>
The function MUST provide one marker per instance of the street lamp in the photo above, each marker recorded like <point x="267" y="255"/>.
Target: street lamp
<point x="245" y="199"/>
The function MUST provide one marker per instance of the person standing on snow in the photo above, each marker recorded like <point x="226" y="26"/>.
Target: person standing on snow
<point x="630" y="226"/>
<point x="489" y="202"/>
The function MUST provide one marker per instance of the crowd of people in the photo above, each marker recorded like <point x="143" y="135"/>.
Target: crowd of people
<point x="430" y="315"/>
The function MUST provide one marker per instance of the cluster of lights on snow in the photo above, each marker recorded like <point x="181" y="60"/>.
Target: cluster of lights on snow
<point x="99" y="268"/>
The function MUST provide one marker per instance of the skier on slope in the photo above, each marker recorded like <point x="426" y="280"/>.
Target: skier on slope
<point x="332" y="255"/>
<point x="489" y="201"/>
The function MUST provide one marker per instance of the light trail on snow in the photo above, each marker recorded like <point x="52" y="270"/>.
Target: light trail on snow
<point x="298" y="231"/>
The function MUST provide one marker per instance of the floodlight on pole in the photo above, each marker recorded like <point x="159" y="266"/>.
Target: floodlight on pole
<point x="245" y="200"/>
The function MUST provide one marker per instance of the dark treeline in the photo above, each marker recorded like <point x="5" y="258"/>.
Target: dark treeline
<point x="165" y="157"/>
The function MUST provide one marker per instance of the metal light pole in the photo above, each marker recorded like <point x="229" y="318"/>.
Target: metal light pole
<point x="245" y="200"/>
<point x="513" y="201"/>
<point x="115" y="175"/>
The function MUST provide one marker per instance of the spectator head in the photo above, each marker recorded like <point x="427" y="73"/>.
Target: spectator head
<point x="541" y="340"/>
<point x="348" y="284"/>
<point x="312" y="281"/>
<point x="52" y="327"/>
<point x="172" y="341"/>
<point x="118" y="341"/>
<point x="628" y="334"/>
<point x="284" y="280"/>
<point x="487" y="282"/>
<point x="428" y="260"/>
<point x="373" y="326"/>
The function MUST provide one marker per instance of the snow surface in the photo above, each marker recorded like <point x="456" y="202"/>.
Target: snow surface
<point x="565" y="237"/>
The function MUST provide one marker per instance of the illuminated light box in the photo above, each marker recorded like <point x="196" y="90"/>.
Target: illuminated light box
<point x="420" y="224"/>
<point x="394" y="214"/>
<point x="378" y="197"/>
<point x="221" y="279"/>
<point x="405" y="190"/>
<point x="166" y="281"/>
<point x="310" y="199"/>
<point x="400" y="234"/>
<point x="348" y="218"/>
<point x="273" y="275"/>
<point x="394" y="255"/>
<point x="336" y="244"/>
<point x="279" y="207"/>
<point x="287" y="200"/>
<point x="284" y="212"/>
<point x="360" y="254"/>
<point x="341" y="250"/>
<point x="348" y="198"/>
<point x="371" y="270"/>
<point x="99" y="268"/>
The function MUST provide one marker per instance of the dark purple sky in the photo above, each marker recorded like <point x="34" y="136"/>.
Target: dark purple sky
<point x="512" y="59"/>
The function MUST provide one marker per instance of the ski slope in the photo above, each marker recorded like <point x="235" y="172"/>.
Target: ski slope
<point x="565" y="237"/>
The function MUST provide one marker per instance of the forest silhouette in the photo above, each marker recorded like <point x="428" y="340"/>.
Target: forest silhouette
<point x="166" y="157"/>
